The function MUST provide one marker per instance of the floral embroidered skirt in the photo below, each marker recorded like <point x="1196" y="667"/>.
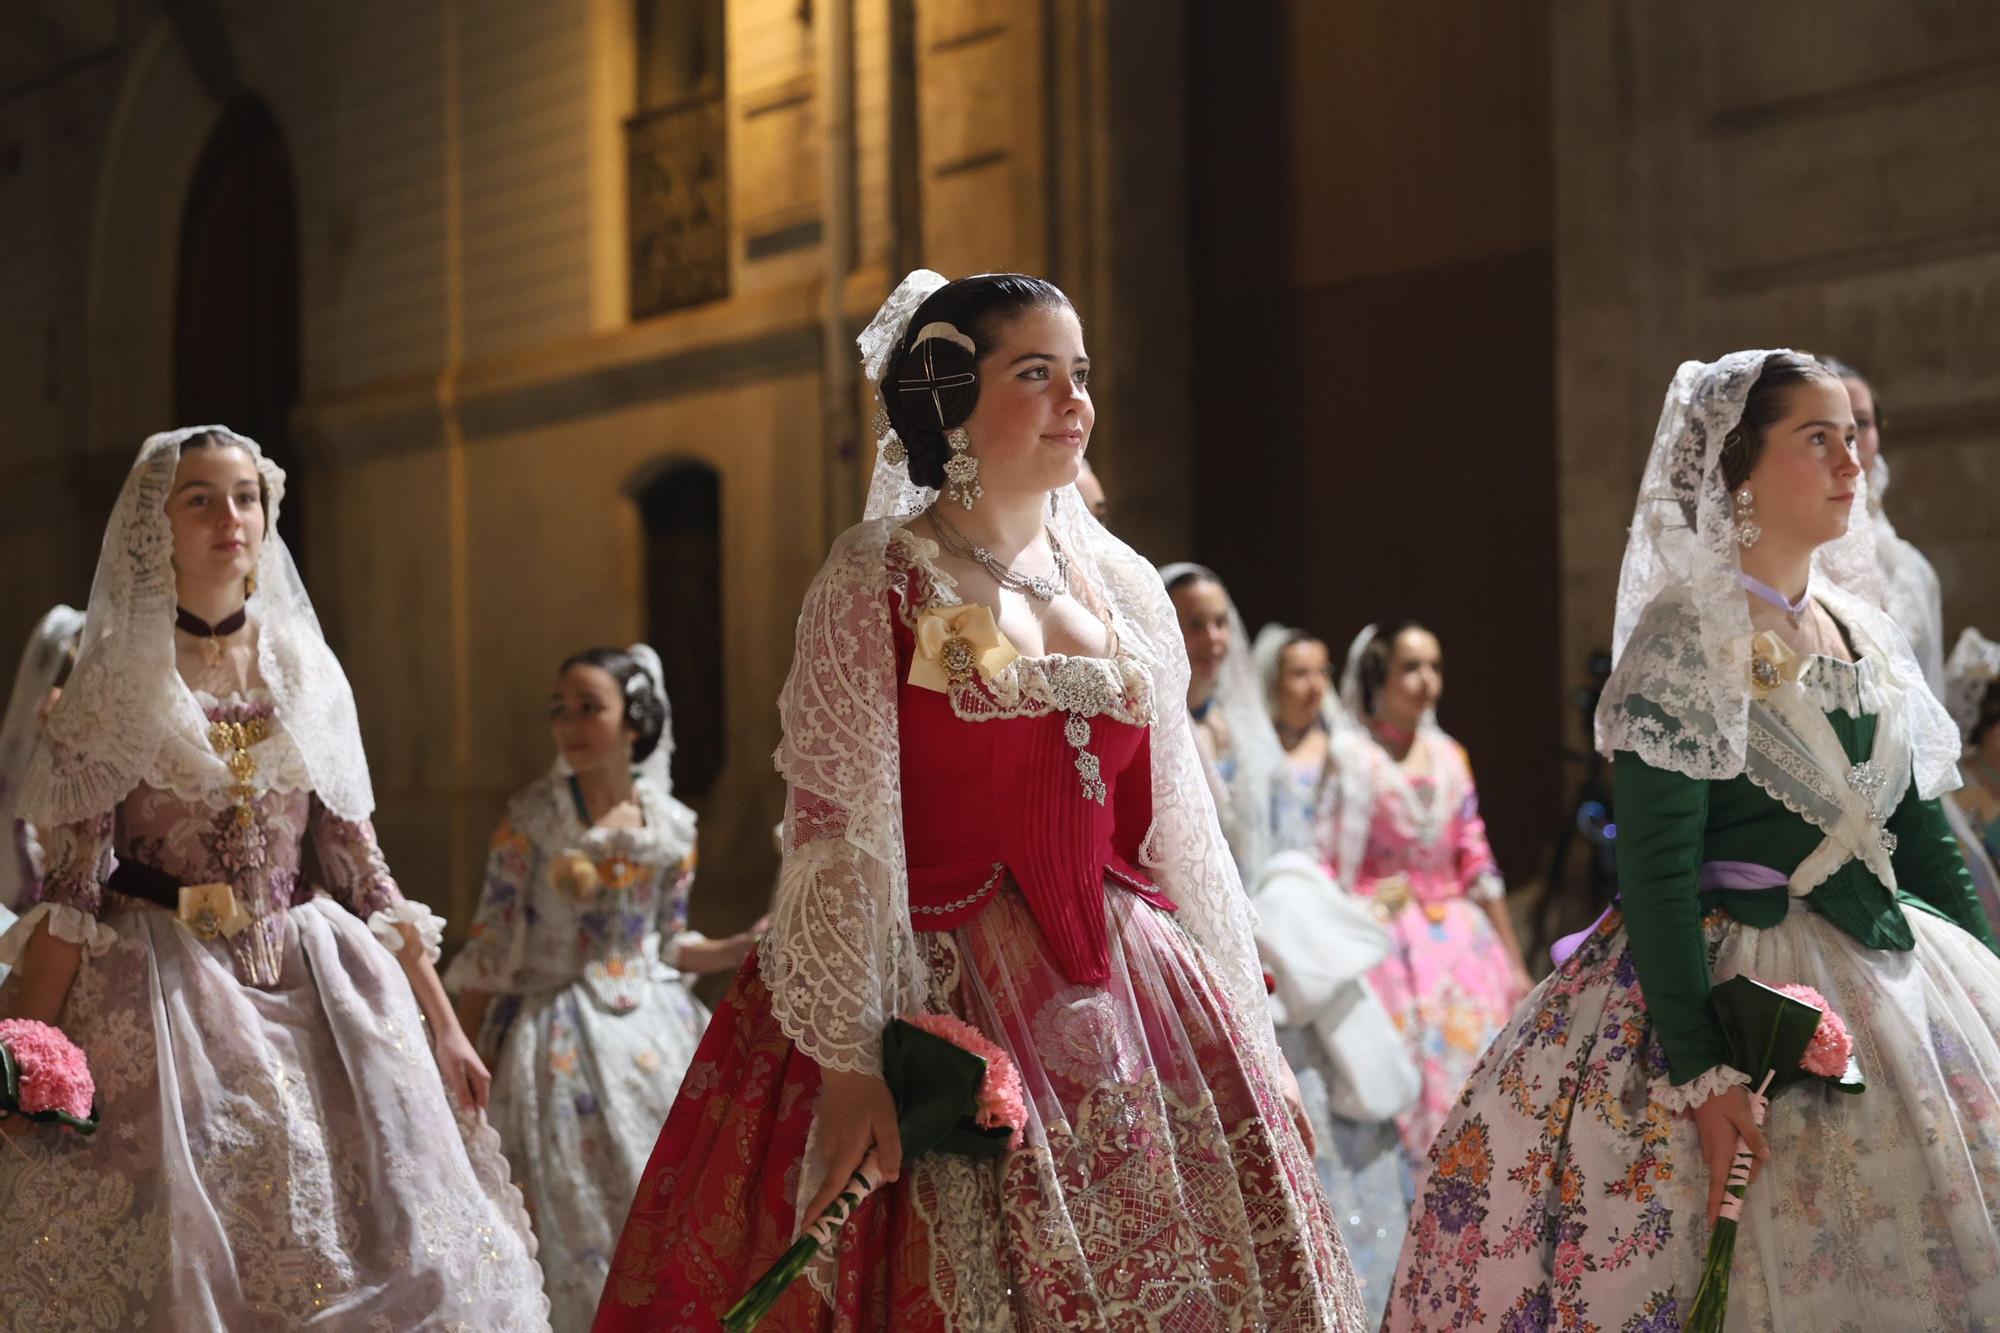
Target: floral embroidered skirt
<point x="268" y="1159"/>
<point x="1158" y="1183"/>
<point x="1562" y="1197"/>
<point x="580" y="1090"/>
<point x="1450" y="987"/>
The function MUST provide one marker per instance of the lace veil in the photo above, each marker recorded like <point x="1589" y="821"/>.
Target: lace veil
<point x="1909" y="585"/>
<point x="1354" y="763"/>
<point x="1254" y="782"/>
<point x="126" y="717"/>
<point x="49" y="645"/>
<point x="1292" y="834"/>
<point x="1679" y="694"/>
<point x="1974" y="665"/>
<point x="840" y="958"/>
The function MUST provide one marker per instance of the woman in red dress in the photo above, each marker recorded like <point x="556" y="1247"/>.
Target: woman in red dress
<point x="996" y="811"/>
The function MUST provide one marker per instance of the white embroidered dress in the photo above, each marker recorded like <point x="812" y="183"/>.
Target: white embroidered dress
<point x="592" y="1028"/>
<point x="277" y="1151"/>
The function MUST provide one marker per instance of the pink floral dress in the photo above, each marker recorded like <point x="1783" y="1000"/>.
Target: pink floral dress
<point x="1423" y="858"/>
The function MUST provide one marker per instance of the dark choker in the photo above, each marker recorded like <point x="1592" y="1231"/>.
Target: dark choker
<point x="211" y="636"/>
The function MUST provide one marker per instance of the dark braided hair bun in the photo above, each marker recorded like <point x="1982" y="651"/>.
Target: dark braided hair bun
<point x="645" y="706"/>
<point x="931" y="384"/>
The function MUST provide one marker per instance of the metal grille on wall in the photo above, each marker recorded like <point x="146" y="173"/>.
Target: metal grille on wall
<point x="679" y="192"/>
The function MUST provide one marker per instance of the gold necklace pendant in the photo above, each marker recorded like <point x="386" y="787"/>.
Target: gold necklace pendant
<point x="211" y="648"/>
<point x="232" y="740"/>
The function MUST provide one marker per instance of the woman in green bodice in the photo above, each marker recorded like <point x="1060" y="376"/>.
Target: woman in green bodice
<point x="1779" y="761"/>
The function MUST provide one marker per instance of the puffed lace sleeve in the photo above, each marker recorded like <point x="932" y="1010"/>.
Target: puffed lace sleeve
<point x="840" y="958"/>
<point x="357" y="875"/>
<point x="77" y="862"/>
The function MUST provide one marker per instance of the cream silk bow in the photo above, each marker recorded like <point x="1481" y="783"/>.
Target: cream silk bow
<point x="212" y="910"/>
<point x="955" y="641"/>
<point x="1773" y="665"/>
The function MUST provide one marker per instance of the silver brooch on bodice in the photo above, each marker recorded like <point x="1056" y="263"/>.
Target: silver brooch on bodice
<point x="1868" y="779"/>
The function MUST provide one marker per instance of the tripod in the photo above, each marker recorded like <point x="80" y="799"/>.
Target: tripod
<point x="1572" y="901"/>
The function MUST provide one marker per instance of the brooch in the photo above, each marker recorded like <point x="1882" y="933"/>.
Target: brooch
<point x="953" y="642"/>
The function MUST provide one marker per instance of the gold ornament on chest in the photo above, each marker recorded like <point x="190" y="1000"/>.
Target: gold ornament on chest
<point x="959" y="658"/>
<point x="233" y="739"/>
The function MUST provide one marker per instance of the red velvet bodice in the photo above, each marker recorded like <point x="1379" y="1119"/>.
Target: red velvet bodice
<point x="1004" y="796"/>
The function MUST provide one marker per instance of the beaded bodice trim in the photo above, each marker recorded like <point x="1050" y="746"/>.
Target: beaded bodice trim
<point x="1117" y="687"/>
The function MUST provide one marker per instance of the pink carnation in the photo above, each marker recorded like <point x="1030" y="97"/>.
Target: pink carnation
<point x="1000" y="1098"/>
<point x="1831" y="1044"/>
<point x="54" y="1076"/>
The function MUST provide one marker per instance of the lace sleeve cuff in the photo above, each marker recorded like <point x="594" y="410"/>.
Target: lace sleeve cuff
<point x="823" y="957"/>
<point x="386" y="923"/>
<point x="65" y="923"/>
<point x="1683" y="1097"/>
<point x="1487" y="888"/>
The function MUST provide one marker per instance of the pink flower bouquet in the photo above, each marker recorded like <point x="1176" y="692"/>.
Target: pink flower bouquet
<point x="44" y="1077"/>
<point x="1778" y="1035"/>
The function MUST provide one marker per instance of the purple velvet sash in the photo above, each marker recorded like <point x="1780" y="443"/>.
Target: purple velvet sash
<point x="1737" y="876"/>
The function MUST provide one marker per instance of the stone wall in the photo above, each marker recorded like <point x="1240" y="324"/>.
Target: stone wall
<point x="1780" y="174"/>
<point x="477" y="406"/>
<point x="1373" y="340"/>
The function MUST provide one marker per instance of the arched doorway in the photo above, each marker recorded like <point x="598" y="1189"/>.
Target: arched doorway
<point x="236" y="300"/>
<point x="680" y="507"/>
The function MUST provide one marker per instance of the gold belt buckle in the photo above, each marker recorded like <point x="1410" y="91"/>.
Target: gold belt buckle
<point x="212" y="911"/>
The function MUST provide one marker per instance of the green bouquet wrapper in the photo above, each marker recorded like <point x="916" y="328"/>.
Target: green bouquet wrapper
<point x="1768" y="1033"/>
<point x="936" y="1086"/>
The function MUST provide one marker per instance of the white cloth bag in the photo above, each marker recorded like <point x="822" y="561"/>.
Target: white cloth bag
<point x="1320" y="945"/>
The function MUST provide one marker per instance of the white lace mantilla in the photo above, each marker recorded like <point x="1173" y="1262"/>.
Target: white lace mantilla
<point x="1679" y="694"/>
<point x="1911" y="593"/>
<point x="126" y="717"/>
<point x="1797" y="759"/>
<point x="841" y="956"/>
<point x="1657" y="715"/>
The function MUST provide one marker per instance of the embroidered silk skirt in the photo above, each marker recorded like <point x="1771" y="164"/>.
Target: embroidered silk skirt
<point x="1561" y="1196"/>
<point x="580" y="1090"/>
<point x="1158" y="1185"/>
<point x="1450" y="988"/>
<point x="268" y="1160"/>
